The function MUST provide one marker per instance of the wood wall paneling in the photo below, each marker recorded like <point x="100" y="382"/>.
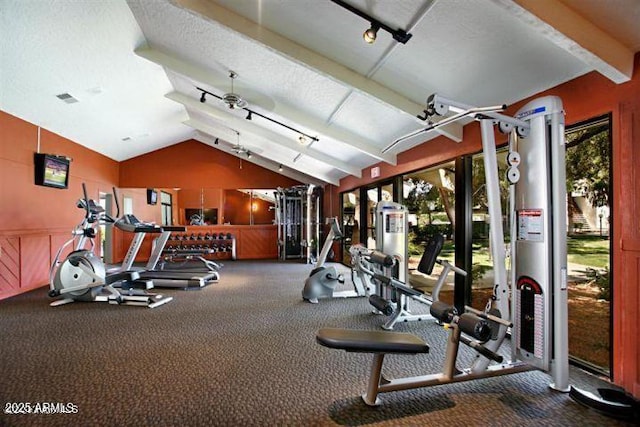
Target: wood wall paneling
<point x="9" y="264"/>
<point x="258" y="242"/>
<point x="35" y="255"/>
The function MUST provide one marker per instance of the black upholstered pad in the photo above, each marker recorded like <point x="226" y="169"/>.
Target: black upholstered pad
<point x="371" y="341"/>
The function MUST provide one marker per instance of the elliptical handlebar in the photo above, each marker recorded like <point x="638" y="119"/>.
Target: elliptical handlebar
<point x="115" y="198"/>
<point x="86" y="201"/>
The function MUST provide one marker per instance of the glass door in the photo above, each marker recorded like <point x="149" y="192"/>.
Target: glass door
<point x="589" y="207"/>
<point x="350" y="223"/>
<point x="482" y="271"/>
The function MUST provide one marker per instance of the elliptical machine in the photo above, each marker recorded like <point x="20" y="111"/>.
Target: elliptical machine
<point x="82" y="275"/>
<point x="322" y="280"/>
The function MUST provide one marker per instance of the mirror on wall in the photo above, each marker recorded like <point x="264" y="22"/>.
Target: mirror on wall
<point x="205" y="206"/>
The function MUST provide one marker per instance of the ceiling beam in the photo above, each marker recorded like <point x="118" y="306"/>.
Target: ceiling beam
<point x="570" y="31"/>
<point x="302" y="55"/>
<point x="287" y="171"/>
<point x="243" y="125"/>
<point x="203" y="75"/>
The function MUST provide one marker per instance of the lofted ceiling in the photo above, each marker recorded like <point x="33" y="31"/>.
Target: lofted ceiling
<point x="134" y="67"/>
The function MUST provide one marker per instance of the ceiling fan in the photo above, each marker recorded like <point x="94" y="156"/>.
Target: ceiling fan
<point x="232" y="99"/>
<point x="239" y="149"/>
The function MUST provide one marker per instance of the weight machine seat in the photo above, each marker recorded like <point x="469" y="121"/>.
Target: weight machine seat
<point x="371" y="341"/>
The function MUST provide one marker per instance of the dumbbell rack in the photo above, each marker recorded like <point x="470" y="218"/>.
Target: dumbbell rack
<point x="206" y="245"/>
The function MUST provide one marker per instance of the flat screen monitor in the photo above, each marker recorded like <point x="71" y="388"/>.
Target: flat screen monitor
<point x="152" y="196"/>
<point x="51" y="170"/>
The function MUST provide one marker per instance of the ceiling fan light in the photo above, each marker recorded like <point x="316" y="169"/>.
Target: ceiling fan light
<point x="371" y="33"/>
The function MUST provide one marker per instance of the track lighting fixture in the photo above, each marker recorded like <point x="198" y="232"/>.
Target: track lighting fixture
<point x="280" y="168"/>
<point x="216" y="142"/>
<point x="251" y="113"/>
<point x="370" y="35"/>
<point x="248" y="154"/>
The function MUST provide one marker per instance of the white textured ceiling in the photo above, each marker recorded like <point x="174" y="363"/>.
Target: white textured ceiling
<point x="134" y="67"/>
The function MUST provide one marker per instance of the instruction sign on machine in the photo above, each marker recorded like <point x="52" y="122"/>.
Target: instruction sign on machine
<point x="530" y="225"/>
<point x="394" y="222"/>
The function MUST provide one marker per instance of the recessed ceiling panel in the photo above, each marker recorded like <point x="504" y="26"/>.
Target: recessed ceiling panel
<point x="85" y="49"/>
<point x="217" y="49"/>
<point x="373" y="120"/>
<point x="329" y="29"/>
<point x="472" y="50"/>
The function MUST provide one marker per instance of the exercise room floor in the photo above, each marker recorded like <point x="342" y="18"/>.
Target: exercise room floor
<point x="242" y="352"/>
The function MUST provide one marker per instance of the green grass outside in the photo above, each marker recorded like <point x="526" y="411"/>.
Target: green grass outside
<point x="592" y="251"/>
<point x="588" y="250"/>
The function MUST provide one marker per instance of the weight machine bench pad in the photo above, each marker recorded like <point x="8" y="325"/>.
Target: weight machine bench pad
<point x="371" y="341"/>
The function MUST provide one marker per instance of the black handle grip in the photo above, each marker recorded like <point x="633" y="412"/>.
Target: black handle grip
<point x="482" y="349"/>
<point x="86" y="200"/>
<point x="115" y="198"/>
<point x="381" y="277"/>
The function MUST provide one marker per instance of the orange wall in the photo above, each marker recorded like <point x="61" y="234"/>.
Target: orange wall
<point x="192" y="164"/>
<point x="35" y="220"/>
<point x="585" y="97"/>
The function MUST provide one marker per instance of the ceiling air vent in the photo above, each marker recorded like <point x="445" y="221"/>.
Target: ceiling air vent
<point x="67" y="98"/>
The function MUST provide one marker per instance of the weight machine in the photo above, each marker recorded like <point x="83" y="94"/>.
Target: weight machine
<point x="537" y="312"/>
<point x="298" y="220"/>
<point x="392" y="297"/>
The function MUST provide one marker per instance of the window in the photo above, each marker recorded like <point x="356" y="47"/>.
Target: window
<point x="482" y="270"/>
<point x="589" y="207"/>
<point x="127" y="205"/>
<point x="167" y="208"/>
<point x="428" y="195"/>
<point x="359" y="220"/>
<point x="350" y="222"/>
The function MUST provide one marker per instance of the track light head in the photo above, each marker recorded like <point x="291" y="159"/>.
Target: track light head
<point x="401" y="36"/>
<point x="202" y="97"/>
<point x="279" y="168"/>
<point x="249" y="116"/>
<point x="248" y="154"/>
<point x="216" y="142"/>
<point x="370" y="34"/>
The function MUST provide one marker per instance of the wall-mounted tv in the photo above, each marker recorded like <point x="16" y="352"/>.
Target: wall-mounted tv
<point x="51" y="170"/>
<point x="152" y="196"/>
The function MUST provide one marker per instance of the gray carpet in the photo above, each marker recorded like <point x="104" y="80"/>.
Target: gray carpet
<point x="242" y="352"/>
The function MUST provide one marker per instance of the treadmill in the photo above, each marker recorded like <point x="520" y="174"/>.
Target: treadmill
<point x="208" y="269"/>
<point x="160" y="278"/>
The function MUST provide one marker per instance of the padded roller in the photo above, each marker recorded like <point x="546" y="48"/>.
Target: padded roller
<point x="381" y="304"/>
<point x="371" y="341"/>
<point x="442" y="311"/>
<point x="474" y="326"/>
<point x="381" y="258"/>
